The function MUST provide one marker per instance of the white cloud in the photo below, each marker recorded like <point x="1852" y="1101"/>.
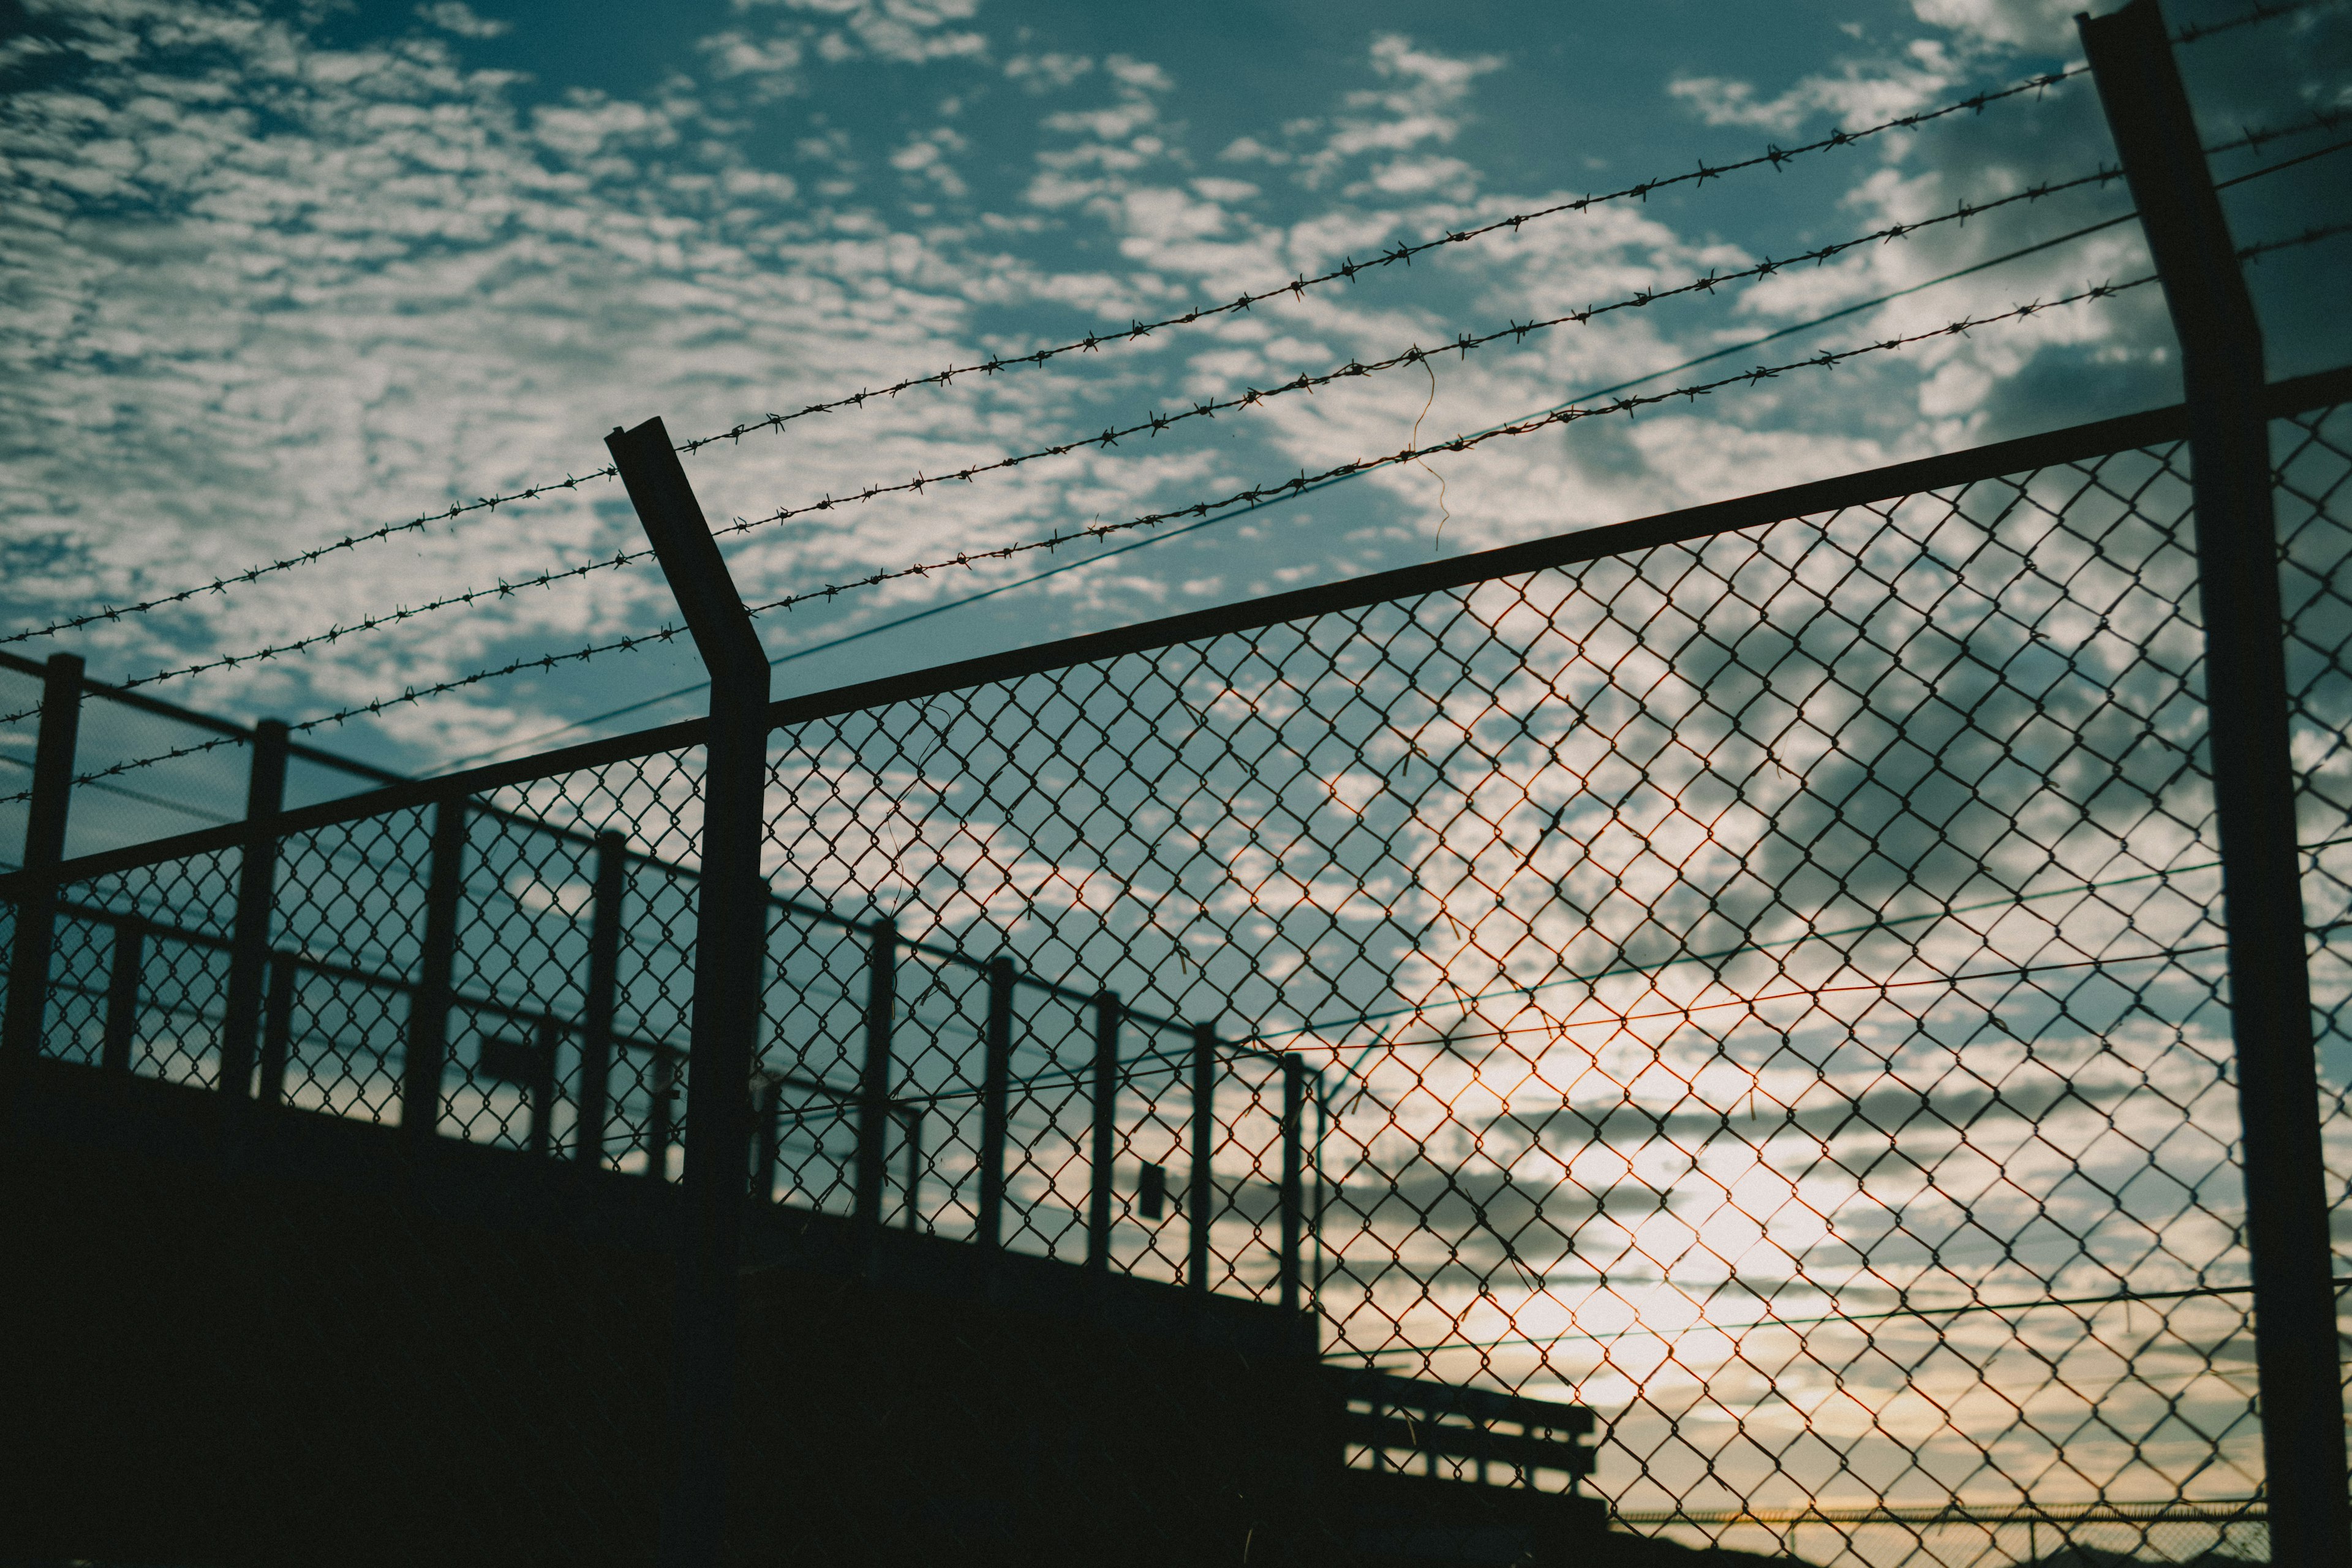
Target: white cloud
<point x="456" y="17"/>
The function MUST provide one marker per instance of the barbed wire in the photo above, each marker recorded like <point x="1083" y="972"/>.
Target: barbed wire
<point x="1154" y="423"/>
<point x="1151" y="425"/>
<point x="2193" y="33"/>
<point x="1773" y="155"/>
<point x="668" y="631"/>
<point x="1561" y="416"/>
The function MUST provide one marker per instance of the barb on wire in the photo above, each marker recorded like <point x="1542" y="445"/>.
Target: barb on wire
<point x="2261" y="12"/>
<point x="303" y="558"/>
<point x="1627" y="406"/>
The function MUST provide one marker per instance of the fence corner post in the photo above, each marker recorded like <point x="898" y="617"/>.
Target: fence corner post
<point x="2224" y="379"/>
<point x="730" y="950"/>
<point x="45" y="846"/>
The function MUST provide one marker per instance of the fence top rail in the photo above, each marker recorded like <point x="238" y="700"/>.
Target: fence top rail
<point x="2072" y="443"/>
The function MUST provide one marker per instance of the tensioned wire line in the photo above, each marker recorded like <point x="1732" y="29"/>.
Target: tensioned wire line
<point x="1827" y="358"/>
<point x="1266" y="502"/>
<point x="1773" y="156"/>
<point x="1563" y="415"/>
<point x="1150" y="427"/>
<point x="1637" y="1331"/>
<point x="1154" y="423"/>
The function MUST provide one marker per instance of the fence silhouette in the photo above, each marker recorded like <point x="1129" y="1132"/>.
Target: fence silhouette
<point x="1805" y="991"/>
<point x="1760" y="968"/>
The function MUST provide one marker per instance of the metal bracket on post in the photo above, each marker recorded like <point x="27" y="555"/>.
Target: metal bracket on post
<point x="257" y="891"/>
<point x="2224" y="379"/>
<point x="730" y="951"/>
<point x="45" y="846"/>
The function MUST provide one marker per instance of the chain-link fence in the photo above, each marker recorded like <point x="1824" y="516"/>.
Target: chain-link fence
<point x="1754" y="975"/>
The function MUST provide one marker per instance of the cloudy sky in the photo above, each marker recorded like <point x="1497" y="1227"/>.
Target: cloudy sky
<point x="278" y="273"/>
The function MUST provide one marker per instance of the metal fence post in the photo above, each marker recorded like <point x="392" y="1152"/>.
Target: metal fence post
<point x="130" y="958"/>
<point x="544" y="1039"/>
<point x="730" y="951"/>
<point x="1198" y="1206"/>
<point x="1102" y="1164"/>
<point x="427" y="1044"/>
<point x="1294" y="1101"/>
<point x="602" y="999"/>
<point x="763" y="1168"/>
<point x="2222" y="376"/>
<point x="277" y="1026"/>
<point x="45" y="845"/>
<point x="874" y="1080"/>
<point x="996" y="1088"/>
<point x="256" y="892"/>
<point x="661" y="1114"/>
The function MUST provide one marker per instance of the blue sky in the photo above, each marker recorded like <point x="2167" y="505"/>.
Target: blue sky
<point x="276" y="273"/>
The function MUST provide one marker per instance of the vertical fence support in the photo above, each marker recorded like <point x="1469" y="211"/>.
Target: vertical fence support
<point x="1200" y="1204"/>
<point x="277" y="1026"/>
<point x="544" y="1039"/>
<point x="122" y="994"/>
<point x="602" y="1000"/>
<point x="769" y="1108"/>
<point x="995" y="1091"/>
<point x="874" y="1081"/>
<point x="661" y="1109"/>
<point x="1103" y="1163"/>
<point x="428" y="1005"/>
<point x="730" y="950"/>
<point x="2222" y="375"/>
<point x="45" y="845"/>
<point x="910" y="1217"/>
<point x="1294" y="1107"/>
<point x="256" y="893"/>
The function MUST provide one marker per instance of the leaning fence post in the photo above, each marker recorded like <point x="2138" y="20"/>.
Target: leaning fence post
<point x="602" y="999"/>
<point x="45" y="846"/>
<point x="1294" y="1100"/>
<point x="257" y="891"/>
<point x="730" y="950"/>
<point x="428" y="1005"/>
<point x="1102" y="1164"/>
<point x="2297" y="1370"/>
<point x="874" y="1080"/>
<point x="1197" y="1207"/>
<point x="996" y="1086"/>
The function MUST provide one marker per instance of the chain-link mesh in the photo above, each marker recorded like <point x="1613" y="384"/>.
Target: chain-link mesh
<point x="1765" y="989"/>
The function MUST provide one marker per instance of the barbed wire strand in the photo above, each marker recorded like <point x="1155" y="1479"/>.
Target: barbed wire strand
<point x="1773" y="156"/>
<point x="1154" y="423"/>
<point x="1559" y="417"/>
